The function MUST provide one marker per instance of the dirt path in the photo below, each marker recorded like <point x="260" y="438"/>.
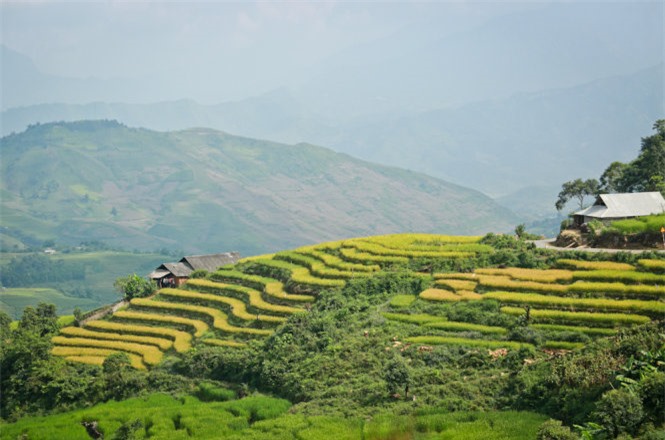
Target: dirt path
<point x="548" y="243"/>
<point x="105" y="311"/>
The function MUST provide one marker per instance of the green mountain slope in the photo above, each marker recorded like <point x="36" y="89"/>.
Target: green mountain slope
<point x="203" y="190"/>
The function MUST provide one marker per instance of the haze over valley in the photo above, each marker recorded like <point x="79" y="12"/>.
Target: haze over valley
<point x="501" y="97"/>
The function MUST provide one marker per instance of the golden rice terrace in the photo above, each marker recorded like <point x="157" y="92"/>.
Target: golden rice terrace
<point x="248" y="301"/>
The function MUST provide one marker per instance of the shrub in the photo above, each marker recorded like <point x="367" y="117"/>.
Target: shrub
<point x="554" y="430"/>
<point x="525" y="334"/>
<point x="210" y="392"/>
<point x="199" y="273"/>
<point x="133" y="286"/>
<point x="652" y="392"/>
<point x="619" y="411"/>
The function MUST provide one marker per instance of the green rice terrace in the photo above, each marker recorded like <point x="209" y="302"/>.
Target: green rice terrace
<point x="384" y="337"/>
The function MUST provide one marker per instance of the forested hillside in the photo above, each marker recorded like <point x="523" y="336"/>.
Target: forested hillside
<point x="202" y="190"/>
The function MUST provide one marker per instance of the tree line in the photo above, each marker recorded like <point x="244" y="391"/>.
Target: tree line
<point x="32" y="269"/>
<point x="645" y="173"/>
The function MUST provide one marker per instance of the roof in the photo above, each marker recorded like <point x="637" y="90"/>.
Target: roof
<point x="625" y="205"/>
<point x="158" y="273"/>
<point x="187" y="265"/>
<point x="178" y="269"/>
<point x="210" y="262"/>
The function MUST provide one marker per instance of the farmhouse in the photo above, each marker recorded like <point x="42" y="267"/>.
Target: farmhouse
<point x="175" y="274"/>
<point x="609" y="207"/>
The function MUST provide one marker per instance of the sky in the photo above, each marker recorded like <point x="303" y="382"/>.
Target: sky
<point x="252" y="47"/>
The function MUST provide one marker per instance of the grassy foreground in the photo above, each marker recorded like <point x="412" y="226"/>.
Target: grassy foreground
<point x="161" y="416"/>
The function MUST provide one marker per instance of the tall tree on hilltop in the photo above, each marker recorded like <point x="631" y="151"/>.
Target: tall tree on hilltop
<point x="646" y="172"/>
<point x="577" y="189"/>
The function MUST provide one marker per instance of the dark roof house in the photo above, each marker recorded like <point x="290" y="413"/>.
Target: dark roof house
<point x="620" y="206"/>
<point x="181" y="270"/>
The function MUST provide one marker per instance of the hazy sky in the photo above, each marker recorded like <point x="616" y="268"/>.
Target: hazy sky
<point x="257" y="45"/>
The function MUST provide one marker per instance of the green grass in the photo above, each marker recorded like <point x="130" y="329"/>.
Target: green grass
<point x="591" y="331"/>
<point x="466" y="342"/>
<point x="620" y="276"/>
<point x="588" y="318"/>
<point x="14" y="300"/>
<point x="417" y="318"/>
<point x="401" y="301"/>
<point x="265" y="418"/>
<point x="158" y="412"/>
<point x="550" y="301"/>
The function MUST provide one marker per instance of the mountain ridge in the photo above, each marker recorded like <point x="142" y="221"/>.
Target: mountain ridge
<point x="202" y="190"/>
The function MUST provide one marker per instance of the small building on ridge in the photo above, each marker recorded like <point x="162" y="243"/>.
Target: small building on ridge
<point x="610" y="207"/>
<point x="176" y="274"/>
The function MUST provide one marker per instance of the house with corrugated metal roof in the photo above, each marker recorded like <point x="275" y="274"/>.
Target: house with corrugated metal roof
<point x="610" y="207"/>
<point x="176" y="274"/>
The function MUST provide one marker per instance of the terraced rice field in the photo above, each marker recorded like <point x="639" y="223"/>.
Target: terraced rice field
<point x="590" y="298"/>
<point x="235" y="305"/>
<point x="248" y="301"/>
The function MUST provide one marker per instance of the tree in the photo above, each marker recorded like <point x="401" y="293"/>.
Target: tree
<point x="133" y="286"/>
<point x="647" y="171"/>
<point x="619" y="411"/>
<point x="397" y="375"/>
<point x="577" y="189"/>
<point x="611" y="180"/>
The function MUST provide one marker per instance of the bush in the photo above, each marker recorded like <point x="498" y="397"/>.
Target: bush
<point x="554" y="430"/>
<point x="199" y="273"/>
<point x="133" y="286"/>
<point x="652" y="392"/>
<point x="619" y="411"/>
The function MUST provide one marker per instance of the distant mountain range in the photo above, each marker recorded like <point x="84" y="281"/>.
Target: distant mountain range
<point x="528" y="98"/>
<point x="203" y="190"/>
<point x="500" y="146"/>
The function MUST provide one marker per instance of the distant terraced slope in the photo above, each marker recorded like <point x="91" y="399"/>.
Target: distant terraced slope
<point x="203" y="190"/>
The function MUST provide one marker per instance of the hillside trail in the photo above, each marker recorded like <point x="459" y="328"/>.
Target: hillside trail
<point x="105" y="311"/>
<point x="548" y="243"/>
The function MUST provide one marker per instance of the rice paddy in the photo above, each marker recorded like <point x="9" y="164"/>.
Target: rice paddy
<point x="235" y="305"/>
